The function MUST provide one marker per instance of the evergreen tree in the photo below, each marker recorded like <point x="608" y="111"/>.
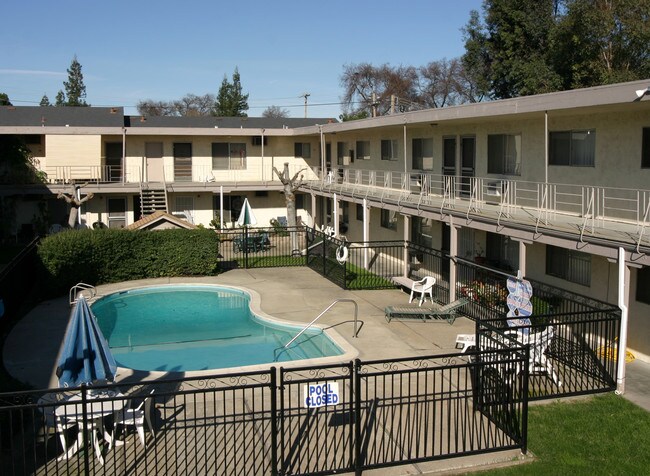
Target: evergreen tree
<point x="60" y="98"/>
<point x="75" y="88"/>
<point x="45" y="101"/>
<point x="230" y="100"/>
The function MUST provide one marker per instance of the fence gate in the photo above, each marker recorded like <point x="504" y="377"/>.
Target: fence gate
<point x="315" y="420"/>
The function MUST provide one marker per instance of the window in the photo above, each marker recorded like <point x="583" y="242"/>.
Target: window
<point x="231" y="207"/>
<point x="501" y="251"/>
<point x="389" y="149"/>
<point x="257" y="140"/>
<point x="228" y="156"/>
<point x="570" y="265"/>
<point x="389" y="219"/>
<point x="363" y="150"/>
<point x="643" y="285"/>
<point x="645" y="148"/>
<point x="422" y="231"/>
<point x="504" y="154"/>
<point x="116" y="212"/>
<point x="184" y="207"/>
<point x="422" y="154"/>
<point x="302" y="149"/>
<point x="574" y="148"/>
<point x="300" y="201"/>
<point x="359" y="212"/>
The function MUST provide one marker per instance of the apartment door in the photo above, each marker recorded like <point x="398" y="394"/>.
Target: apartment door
<point x="467" y="164"/>
<point x="448" y="164"/>
<point x="153" y="152"/>
<point x="113" y="170"/>
<point x="182" y="161"/>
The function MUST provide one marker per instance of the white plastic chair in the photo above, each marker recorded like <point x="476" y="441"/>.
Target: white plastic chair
<point x="424" y="287"/>
<point x="135" y="417"/>
<point x="50" y="419"/>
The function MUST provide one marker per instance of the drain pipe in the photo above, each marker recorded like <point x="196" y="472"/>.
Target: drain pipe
<point x="622" y="341"/>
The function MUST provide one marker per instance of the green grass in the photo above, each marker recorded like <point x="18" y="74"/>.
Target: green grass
<point x="605" y="434"/>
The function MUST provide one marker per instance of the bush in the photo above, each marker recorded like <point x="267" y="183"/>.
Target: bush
<point x="107" y="256"/>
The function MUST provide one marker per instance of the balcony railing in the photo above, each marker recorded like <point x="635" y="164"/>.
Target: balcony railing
<point x="540" y="203"/>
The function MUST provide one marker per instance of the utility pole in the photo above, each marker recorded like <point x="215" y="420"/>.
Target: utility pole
<point x="305" y="95"/>
<point x="374" y="104"/>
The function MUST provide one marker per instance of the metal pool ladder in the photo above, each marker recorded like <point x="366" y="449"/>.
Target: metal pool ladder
<point x="356" y="312"/>
<point x="80" y="287"/>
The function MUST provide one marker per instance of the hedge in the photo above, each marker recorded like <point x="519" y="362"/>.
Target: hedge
<point x="108" y="256"/>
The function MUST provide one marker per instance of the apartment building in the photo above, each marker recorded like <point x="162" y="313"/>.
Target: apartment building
<point x="556" y="186"/>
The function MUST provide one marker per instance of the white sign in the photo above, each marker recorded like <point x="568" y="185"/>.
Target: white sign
<point x="321" y="394"/>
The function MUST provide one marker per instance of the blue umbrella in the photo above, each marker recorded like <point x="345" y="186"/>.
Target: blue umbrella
<point x="85" y="357"/>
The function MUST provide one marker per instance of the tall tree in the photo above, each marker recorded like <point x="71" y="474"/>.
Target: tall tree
<point x="75" y="89"/>
<point x="275" y="112"/>
<point x="602" y="42"/>
<point x="4" y="100"/>
<point x="231" y="102"/>
<point x="60" y="98"/>
<point x="369" y="88"/>
<point x="45" y="101"/>
<point x="75" y="201"/>
<point x="513" y="47"/>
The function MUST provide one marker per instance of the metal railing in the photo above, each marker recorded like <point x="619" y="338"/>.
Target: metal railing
<point x="80" y="288"/>
<point x="302" y="331"/>
<point x="508" y="199"/>
<point x="380" y="414"/>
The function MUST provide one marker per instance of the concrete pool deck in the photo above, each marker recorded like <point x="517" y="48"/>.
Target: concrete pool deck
<point x="292" y="294"/>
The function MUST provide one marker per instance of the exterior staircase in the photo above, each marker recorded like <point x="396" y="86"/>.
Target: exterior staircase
<point x="153" y="197"/>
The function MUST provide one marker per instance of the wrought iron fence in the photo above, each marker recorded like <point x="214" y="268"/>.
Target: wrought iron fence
<point x="269" y="247"/>
<point x="310" y="420"/>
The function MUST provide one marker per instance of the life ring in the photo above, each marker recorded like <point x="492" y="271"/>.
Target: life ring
<point x="342" y="254"/>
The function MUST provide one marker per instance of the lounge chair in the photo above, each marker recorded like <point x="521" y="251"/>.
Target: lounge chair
<point x="426" y="314"/>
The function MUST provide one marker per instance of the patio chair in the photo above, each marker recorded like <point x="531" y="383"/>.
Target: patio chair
<point x="539" y="343"/>
<point x="135" y="417"/>
<point x="424" y="287"/>
<point x="51" y="420"/>
<point x="426" y="314"/>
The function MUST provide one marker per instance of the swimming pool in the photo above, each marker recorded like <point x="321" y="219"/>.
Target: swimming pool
<point x="198" y="327"/>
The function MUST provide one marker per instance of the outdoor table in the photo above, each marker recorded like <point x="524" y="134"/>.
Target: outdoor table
<point x="97" y="408"/>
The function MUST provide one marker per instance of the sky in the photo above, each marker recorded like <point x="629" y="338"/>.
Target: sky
<point x="162" y="50"/>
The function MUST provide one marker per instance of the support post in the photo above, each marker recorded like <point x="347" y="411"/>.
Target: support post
<point x="623" y="301"/>
<point x="453" y="253"/>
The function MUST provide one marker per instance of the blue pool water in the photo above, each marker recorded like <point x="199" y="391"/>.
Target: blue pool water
<point x="181" y="328"/>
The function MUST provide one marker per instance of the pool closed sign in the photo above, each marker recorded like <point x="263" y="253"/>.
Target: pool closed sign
<point x="321" y="394"/>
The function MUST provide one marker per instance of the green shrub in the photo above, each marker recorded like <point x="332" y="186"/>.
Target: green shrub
<point x="108" y="256"/>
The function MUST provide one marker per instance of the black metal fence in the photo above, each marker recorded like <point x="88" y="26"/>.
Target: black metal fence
<point x="312" y="420"/>
<point x="262" y="247"/>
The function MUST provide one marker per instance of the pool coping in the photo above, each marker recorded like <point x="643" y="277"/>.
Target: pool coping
<point x="127" y="374"/>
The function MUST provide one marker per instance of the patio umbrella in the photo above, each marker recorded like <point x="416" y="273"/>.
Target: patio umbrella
<point x="85" y="357"/>
<point x="246" y="216"/>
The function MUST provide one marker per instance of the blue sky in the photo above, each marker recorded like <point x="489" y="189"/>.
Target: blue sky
<point x="163" y="50"/>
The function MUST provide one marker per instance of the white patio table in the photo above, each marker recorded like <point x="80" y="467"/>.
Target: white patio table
<point x="97" y="408"/>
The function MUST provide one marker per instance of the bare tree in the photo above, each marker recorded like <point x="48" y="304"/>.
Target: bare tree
<point x="275" y="112"/>
<point x="290" y="185"/>
<point x="439" y="83"/>
<point x="369" y="88"/>
<point x="188" y="105"/>
<point x="75" y="201"/>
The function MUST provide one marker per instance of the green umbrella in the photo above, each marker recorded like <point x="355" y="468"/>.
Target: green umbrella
<point x="246" y="217"/>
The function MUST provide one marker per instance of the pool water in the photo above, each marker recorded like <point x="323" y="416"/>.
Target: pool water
<point x="184" y="328"/>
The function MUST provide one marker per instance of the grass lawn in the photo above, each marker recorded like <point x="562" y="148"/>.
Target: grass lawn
<point x="605" y="434"/>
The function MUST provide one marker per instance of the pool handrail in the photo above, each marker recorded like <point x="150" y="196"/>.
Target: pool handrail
<point x="356" y="312"/>
<point x="79" y="288"/>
